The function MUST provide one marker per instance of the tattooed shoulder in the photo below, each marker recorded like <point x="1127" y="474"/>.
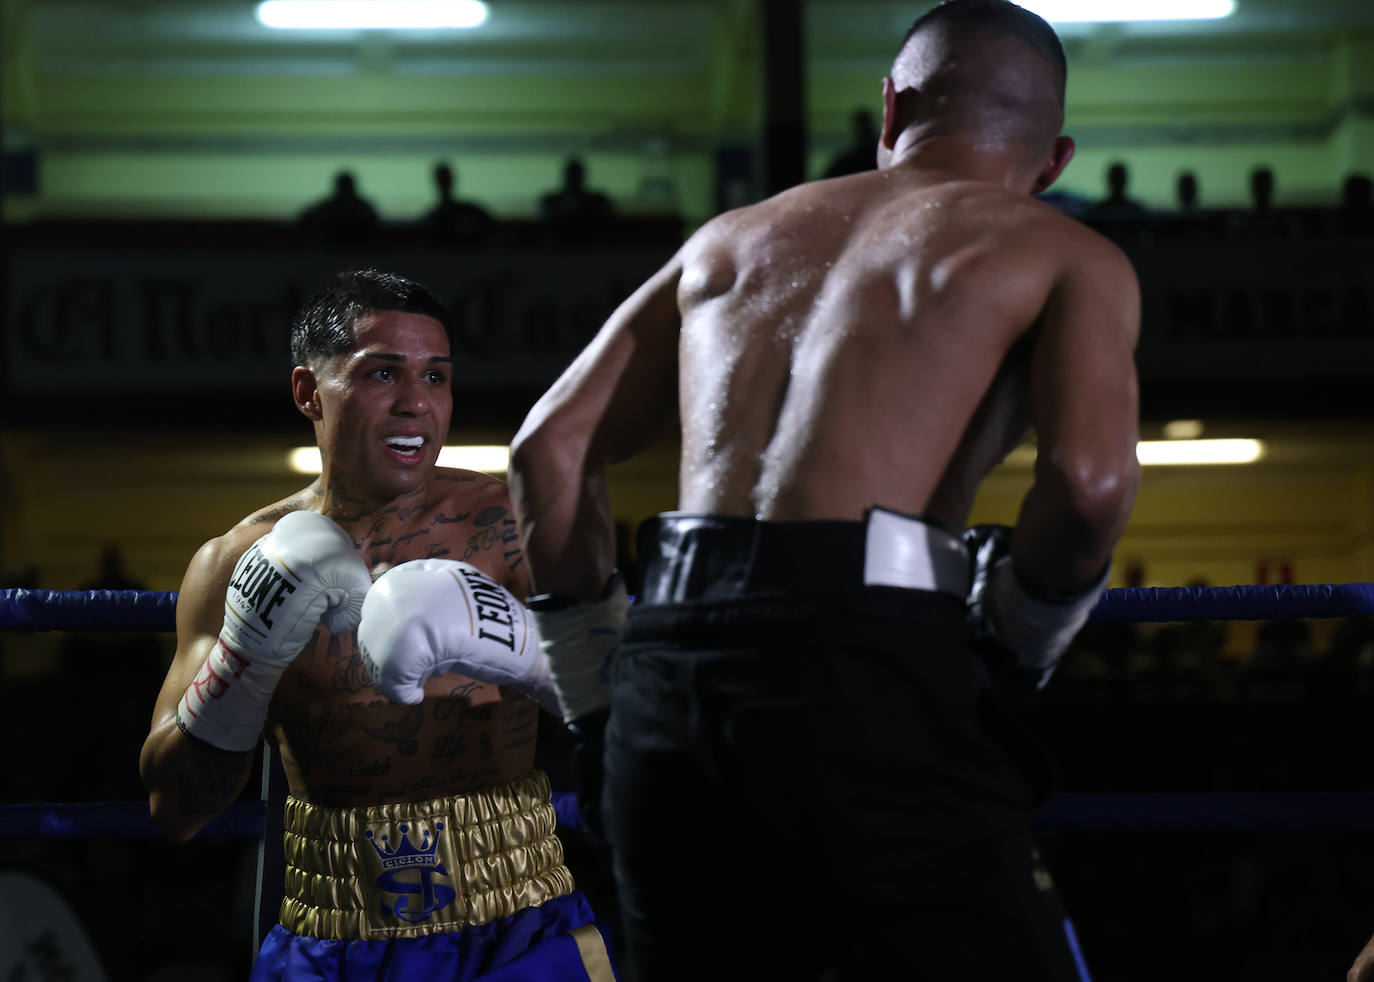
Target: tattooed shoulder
<point x="270" y="514"/>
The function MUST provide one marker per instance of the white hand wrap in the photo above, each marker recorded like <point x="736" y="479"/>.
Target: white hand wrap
<point x="431" y="616"/>
<point x="304" y="572"/>
<point x="581" y="641"/>
<point x="1037" y="630"/>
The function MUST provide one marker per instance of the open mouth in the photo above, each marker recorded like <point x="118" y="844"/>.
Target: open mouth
<point x="407" y="447"/>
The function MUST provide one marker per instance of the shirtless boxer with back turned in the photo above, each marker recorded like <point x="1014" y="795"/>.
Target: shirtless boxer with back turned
<point x="419" y="837"/>
<point x="806" y="763"/>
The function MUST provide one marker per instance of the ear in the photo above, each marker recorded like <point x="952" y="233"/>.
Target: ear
<point x="306" y="392"/>
<point x="1059" y="159"/>
<point x="887" y="137"/>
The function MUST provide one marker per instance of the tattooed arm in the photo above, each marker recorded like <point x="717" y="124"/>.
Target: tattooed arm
<point x="491" y="539"/>
<point x="188" y="780"/>
<point x="497" y="532"/>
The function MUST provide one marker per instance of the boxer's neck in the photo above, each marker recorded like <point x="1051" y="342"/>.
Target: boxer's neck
<point x="350" y="506"/>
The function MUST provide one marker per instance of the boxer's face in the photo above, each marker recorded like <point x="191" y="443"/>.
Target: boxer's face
<point x="385" y="405"/>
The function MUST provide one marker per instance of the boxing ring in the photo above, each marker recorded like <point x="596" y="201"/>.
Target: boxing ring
<point x="25" y="610"/>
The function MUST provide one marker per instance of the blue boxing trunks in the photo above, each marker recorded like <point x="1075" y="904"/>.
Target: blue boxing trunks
<point x="470" y="886"/>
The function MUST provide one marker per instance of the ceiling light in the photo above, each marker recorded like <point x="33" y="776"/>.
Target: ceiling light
<point x="370" y="15"/>
<point x="1103" y="11"/>
<point x="1199" y="451"/>
<point x="304" y="460"/>
<point x="487" y="459"/>
<point x="1182" y="429"/>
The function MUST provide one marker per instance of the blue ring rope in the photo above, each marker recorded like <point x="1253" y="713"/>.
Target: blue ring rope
<point x="1213" y="810"/>
<point x="131" y="820"/>
<point x="87" y="610"/>
<point x="145" y="610"/>
<point x="141" y="610"/>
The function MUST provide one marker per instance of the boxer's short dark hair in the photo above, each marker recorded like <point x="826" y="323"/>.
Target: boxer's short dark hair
<point x="325" y="324"/>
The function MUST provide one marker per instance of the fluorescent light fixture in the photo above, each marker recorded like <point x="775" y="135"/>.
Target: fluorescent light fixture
<point x="1180" y="451"/>
<point x="1105" y="11"/>
<point x="487" y="459"/>
<point x="370" y="15"/>
<point x="1182" y="429"/>
<point x="1199" y="451"/>
<point x="304" y="460"/>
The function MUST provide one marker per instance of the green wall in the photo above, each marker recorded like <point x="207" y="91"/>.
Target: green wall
<point x="132" y="125"/>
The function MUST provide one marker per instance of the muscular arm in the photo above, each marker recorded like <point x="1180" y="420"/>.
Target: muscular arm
<point x="612" y="401"/>
<point x="1084" y="405"/>
<point x="1362" y="969"/>
<point x="189" y="781"/>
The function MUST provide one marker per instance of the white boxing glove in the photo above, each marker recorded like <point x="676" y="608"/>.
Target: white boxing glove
<point x="431" y="616"/>
<point x="302" y="573"/>
<point x="581" y="640"/>
<point x="1037" y="629"/>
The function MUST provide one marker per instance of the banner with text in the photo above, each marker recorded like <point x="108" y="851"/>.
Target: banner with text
<point x="166" y="322"/>
<point x="1267" y="310"/>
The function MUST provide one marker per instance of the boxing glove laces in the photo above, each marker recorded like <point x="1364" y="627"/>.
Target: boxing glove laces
<point x="303" y="573"/>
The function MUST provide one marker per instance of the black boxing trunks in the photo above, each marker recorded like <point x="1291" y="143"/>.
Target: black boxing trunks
<point x="804" y="749"/>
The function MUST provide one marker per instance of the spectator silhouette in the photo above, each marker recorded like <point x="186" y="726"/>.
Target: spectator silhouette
<point x="1118" y="216"/>
<point x="1186" y="192"/>
<point x="343" y="218"/>
<point x="1189" y="219"/>
<point x="573" y="213"/>
<point x="1117" y="205"/>
<point x="1355" y="216"/>
<point x="111" y="573"/>
<point x="451" y="221"/>
<point x="862" y="154"/>
<point x="1262" y="220"/>
<point x="1262" y="190"/>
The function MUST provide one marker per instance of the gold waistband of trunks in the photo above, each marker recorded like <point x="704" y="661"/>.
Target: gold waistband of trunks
<point x="416" y="868"/>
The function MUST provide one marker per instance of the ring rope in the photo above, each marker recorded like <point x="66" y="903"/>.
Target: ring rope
<point x="87" y="610"/>
<point x="143" y="610"/>
<point x="132" y="820"/>
<point x="1064" y="812"/>
<point x="1235" y="603"/>
<point x="150" y="610"/>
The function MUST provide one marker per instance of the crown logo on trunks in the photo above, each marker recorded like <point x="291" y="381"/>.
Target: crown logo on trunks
<point x="404" y="854"/>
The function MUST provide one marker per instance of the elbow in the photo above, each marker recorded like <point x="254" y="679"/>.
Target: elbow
<point x="524" y="451"/>
<point x="1099" y="490"/>
<point x="175" y="824"/>
<point x="158" y="780"/>
<point x="545" y="452"/>
<point x="528" y="448"/>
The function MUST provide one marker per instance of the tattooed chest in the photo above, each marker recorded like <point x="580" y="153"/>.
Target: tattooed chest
<point x="487" y="538"/>
<point x="370" y="752"/>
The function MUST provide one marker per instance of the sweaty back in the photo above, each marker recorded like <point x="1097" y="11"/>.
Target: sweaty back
<point x="853" y="342"/>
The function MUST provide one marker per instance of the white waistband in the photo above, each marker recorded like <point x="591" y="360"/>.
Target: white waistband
<point x="906" y="552"/>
